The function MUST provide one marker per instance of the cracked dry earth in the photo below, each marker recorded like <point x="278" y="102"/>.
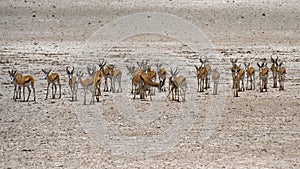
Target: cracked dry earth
<point x="254" y="130"/>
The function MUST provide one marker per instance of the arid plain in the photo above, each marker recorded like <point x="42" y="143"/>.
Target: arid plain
<point x="254" y="130"/>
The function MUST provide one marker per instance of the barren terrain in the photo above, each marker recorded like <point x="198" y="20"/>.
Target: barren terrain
<point x="254" y="130"/>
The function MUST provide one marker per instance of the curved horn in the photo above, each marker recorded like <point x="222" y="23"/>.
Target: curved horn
<point x="258" y="65"/>
<point x="176" y="71"/>
<point x="67" y="69"/>
<point x="172" y="72"/>
<point x="272" y="58"/>
<point x="146" y="62"/>
<point x="89" y="70"/>
<point x="138" y="63"/>
<point x="197" y="68"/>
<point x="102" y="62"/>
<point x="201" y="61"/>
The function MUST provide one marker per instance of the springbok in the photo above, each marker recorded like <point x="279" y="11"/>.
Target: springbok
<point x="162" y="75"/>
<point x="115" y="75"/>
<point x="136" y="78"/>
<point x="137" y="82"/>
<point x="241" y="73"/>
<point x="281" y="78"/>
<point x="233" y="68"/>
<point x="275" y="70"/>
<point x="250" y="76"/>
<point x="22" y="81"/>
<point x="73" y="82"/>
<point x="178" y="86"/>
<point x="236" y="82"/>
<point x="96" y="75"/>
<point x="263" y="76"/>
<point x="143" y="65"/>
<point x="52" y="78"/>
<point x="208" y="69"/>
<point x="141" y="79"/>
<point x="105" y="72"/>
<point x="87" y="84"/>
<point x="152" y="76"/>
<point x="17" y="88"/>
<point x="131" y="73"/>
<point x="215" y="78"/>
<point x="146" y="83"/>
<point x="98" y="78"/>
<point x="202" y="77"/>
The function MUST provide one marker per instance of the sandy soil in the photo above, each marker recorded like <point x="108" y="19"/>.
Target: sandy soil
<point x="255" y="130"/>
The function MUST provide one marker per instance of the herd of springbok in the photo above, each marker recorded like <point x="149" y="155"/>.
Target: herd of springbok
<point x="238" y="74"/>
<point x="144" y="79"/>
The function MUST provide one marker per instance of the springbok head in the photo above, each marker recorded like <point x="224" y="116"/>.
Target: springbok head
<point x="79" y="74"/>
<point x="101" y="64"/>
<point x="91" y="70"/>
<point x="174" y="73"/>
<point x="70" y="72"/>
<point x="274" y="61"/>
<point x="130" y="69"/>
<point x="247" y="66"/>
<point x="158" y="66"/>
<point x="12" y="74"/>
<point x="46" y="72"/>
<point x="143" y="64"/>
<point x="203" y="61"/>
<point x="233" y="62"/>
<point x="262" y="65"/>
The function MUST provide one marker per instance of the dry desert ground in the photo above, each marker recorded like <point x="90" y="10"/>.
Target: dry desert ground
<point x="254" y="130"/>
